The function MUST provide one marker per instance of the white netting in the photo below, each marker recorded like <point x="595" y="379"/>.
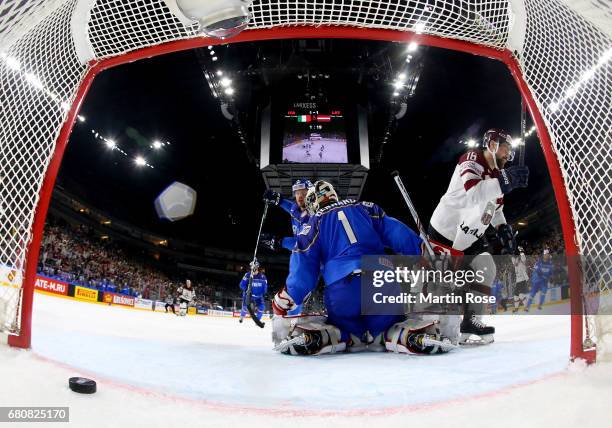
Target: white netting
<point x="39" y="75"/>
<point x="565" y="60"/>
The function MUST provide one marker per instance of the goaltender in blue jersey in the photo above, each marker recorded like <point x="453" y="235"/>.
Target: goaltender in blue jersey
<point x="259" y="288"/>
<point x="333" y="241"/>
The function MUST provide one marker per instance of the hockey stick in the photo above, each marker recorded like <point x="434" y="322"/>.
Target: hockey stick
<point x="523" y="133"/>
<point x="415" y="216"/>
<point x="249" y="290"/>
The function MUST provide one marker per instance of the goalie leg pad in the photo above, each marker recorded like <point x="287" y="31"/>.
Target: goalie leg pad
<point x="312" y="338"/>
<point x="415" y="337"/>
<point x="183" y="309"/>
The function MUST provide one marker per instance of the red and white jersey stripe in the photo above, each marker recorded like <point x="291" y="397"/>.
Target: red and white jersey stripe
<point x="472" y="202"/>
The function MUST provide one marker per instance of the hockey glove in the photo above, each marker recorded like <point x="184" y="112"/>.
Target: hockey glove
<point x="507" y="239"/>
<point x="282" y="303"/>
<point x="270" y="241"/>
<point x="512" y="178"/>
<point x="271" y="197"/>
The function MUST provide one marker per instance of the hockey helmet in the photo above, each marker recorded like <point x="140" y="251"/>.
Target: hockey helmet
<point x="254" y="265"/>
<point x="498" y="136"/>
<point x="319" y="195"/>
<point x="300" y="184"/>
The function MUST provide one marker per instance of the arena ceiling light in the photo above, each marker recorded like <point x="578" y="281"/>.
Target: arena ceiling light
<point x="217" y="18"/>
<point x="140" y="161"/>
<point x="12" y="63"/>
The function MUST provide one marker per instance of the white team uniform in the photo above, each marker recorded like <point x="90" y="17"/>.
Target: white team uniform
<point x="472" y="202"/>
<point x="520" y="268"/>
<point x="185" y="296"/>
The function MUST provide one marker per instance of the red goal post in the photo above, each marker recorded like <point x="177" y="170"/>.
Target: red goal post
<point x="51" y="52"/>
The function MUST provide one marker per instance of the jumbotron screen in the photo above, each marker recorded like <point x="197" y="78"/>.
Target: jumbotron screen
<point x="311" y="135"/>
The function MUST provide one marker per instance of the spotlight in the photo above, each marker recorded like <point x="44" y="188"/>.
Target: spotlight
<point x="225" y="82"/>
<point x="229" y="90"/>
<point x="12" y="63"/>
<point x="140" y="161"/>
<point x="413" y="46"/>
<point x="214" y="58"/>
<point x="110" y="144"/>
<point x="157" y="145"/>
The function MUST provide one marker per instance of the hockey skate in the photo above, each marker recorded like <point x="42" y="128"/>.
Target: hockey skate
<point x="472" y="325"/>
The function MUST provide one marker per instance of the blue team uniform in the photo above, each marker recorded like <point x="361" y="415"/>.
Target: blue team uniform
<point x="332" y="242"/>
<point x="498" y="287"/>
<point x="542" y="271"/>
<point x="258" y="291"/>
<point x="298" y="218"/>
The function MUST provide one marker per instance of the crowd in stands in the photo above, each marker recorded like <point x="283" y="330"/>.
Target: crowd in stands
<point x="73" y="253"/>
<point x="553" y="241"/>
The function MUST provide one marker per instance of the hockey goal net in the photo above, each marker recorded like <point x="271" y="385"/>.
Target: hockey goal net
<point x="559" y="52"/>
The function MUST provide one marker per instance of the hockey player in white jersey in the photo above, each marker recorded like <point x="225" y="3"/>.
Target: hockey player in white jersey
<point x="185" y="295"/>
<point x="472" y="203"/>
<point x="521" y="279"/>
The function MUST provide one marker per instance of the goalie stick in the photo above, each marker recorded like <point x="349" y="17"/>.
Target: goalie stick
<point x="249" y="290"/>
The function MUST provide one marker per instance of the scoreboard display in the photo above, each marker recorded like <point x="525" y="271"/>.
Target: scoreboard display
<point x="314" y="134"/>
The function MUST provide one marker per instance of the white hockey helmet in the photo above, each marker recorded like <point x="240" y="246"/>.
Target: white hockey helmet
<point x="319" y="195"/>
<point x="254" y="265"/>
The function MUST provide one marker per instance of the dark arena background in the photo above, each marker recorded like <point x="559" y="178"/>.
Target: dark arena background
<point x="94" y="260"/>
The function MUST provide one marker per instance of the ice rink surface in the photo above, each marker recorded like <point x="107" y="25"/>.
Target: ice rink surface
<point x="159" y="369"/>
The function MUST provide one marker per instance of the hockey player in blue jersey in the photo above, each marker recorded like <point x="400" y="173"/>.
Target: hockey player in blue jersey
<point x="332" y="242"/>
<point x="542" y="271"/>
<point x="296" y="210"/>
<point x="299" y="216"/>
<point x="258" y="289"/>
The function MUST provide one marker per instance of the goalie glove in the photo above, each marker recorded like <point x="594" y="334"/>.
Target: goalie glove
<point x="271" y="242"/>
<point x="507" y="239"/>
<point x="282" y="303"/>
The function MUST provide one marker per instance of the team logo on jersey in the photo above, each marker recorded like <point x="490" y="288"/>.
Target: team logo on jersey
<point x="487" y="216"/>
<point x="305" y="229"/>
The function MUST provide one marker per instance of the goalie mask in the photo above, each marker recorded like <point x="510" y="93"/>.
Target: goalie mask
<point x="498" y="136"/>
<point x="319" y="195"/>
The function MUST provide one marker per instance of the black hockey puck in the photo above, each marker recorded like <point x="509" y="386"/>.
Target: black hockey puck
<point x="82" y="385"/>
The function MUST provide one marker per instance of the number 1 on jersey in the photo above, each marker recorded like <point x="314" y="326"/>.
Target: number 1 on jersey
<point x="347" y="227"/>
